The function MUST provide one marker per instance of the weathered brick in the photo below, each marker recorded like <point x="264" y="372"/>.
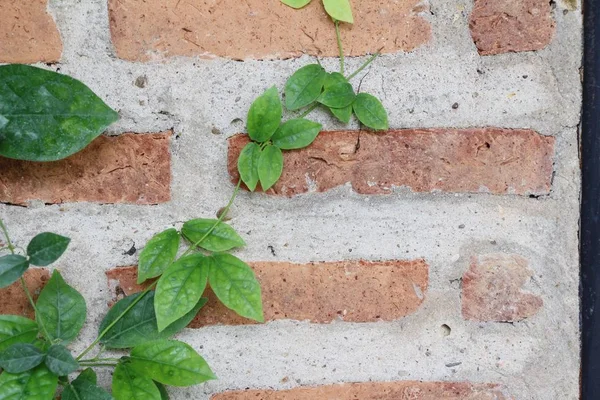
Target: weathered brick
<point x="128" y="168"/>
<point x="13" y="299"/>
<point x="500" y="161"/>
<point x="28" y="33"/>
<point x="491" y="289"/>
<point x="259" y="29"/>
<point x="403" y="390"/>
<point x="355" y="291"/>
<point x="502" y="26"/>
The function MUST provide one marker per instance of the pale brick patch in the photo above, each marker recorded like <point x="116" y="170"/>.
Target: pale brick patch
<point x="500" y="161"/>
<point x="259" y="29"/>
<point x="13" y="299"/>
<point x="129" y="168"/>
<point x="353" y="291"/>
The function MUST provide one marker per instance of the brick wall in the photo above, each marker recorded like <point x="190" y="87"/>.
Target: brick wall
<point x="437" y="260"/>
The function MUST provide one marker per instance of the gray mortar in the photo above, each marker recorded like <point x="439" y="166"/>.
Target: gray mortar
<point x="536" y="359"/>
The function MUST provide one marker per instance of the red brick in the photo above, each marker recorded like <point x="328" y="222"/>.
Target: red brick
<point x="404" y="390"/>
<point x="502" y="26"/>
<point x="355" y="291"/>
<point x="13" y="299"/>
<point x="28" y="33"/>
<point x="491" y="289"/>
<point x="500" y="161"/>
<point x="144" y="30"/>
<point x="128" y="168"/>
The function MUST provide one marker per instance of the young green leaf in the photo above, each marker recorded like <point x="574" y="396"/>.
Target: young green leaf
<point x="339" y="10"/>
<point x="333" y="78"/>
<point x="139" y="326"/>
<point x="35" y="384"/>
<point x="296" y="134"/>
<point x="61" y="309"/>
<point x="222" y="238"/>
<point x="248" y="165"/>
<point x="304" y="86"/>
<point x="45" y="116"/>
<point x="339" y="95"/>
<point x="128" y="384"/>
<point x="179" y="289"/>
<point x="84" y="388"/>
<point x="264" y="116"/>
<point x="16" y="329"/>
<point x="295" y="3"/>
<point x="60" y="361"/>
<point x="46" y="248"/>
<point x="20" y="357"/>
<point x="164" y="395"/>
<point x="370" y="111"/>
<point x="12" y="267"/>
<point x="235" y="284"/>
<point x="270" y="166"/>
<point x="171" y="363"/>
<point x="89" y="375"/>
<point x="159" y="253"/>
<point x="343" y="114"/>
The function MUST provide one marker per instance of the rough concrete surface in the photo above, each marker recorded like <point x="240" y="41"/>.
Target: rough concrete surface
<point x="205" y="101"/>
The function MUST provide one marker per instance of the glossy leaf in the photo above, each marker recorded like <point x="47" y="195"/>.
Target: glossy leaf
<point x="339" y="10"/>
<point x="128" y="384"/>
<point x="304" y="86"/>
<point x="35" y="384"/>
<point x="158" y="254"/>
<point x="20" y="357"/>
<point x="264" y="116"/>
<point x="89" y="375"/>
<point x="83" y="389"/>
<point x="164" y="395"/>
<point x="338" y="96"/>
<point x="46" y="248"/>
<point x="12" y="267"/>
<point x="343" y="114"/>
<point x="248" y="165"/>
<point x="179" y="289"/>
<point x="296" y="134"/>
<point x="370" y="111"/>
<point x="222" y="238"/>
<point x="235" y="284"/>
<point x="296" y="3"/>
<point x="16" y="329"/>
<point x="61" y="309"/>
<point x="171" y="363"/>
<point x="270" y="166"/>
<point x="139" y="326"/>
<point x="334" y="78"/>
<point x="60" y="361"/>
<point x="45" y="116"/>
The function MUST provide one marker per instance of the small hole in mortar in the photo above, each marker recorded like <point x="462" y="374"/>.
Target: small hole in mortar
<point x="445" y="330"/>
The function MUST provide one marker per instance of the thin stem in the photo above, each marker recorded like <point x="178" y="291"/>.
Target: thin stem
<point x="308" y="110"/>
<point x="30" y="298"/>
<point x="8" y="242"/>
<point x="109" y="327"/>
<point x="365" y="65"/>
<point x="93" y="360"/>
<point x="339" y="43"/>
<point x="94" y="364"/>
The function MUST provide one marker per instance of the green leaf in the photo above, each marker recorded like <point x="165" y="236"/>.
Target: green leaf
<point x="179" y="289"/>
<point x="270" y="166"/>
<point x="264" y="116"/>
<point x="339" y="10"/>
<point x="89" y="375"/>
<point x="45" y="116"/>
<point x="248" y="165"/>
<point x="35" y="384"/>
<point x="171" y="363"/>
<point x="339" y="95"/>
<point x="46" y="248"/>
<point x="164" y="395"/>
<point x="370" y="111"/>
<point x="304" y="86"/>
<point x="343" y="114"/>
<point x="296" y="134"/>
<point x="222" y="238"/>
<point x="61" y="309"/>
<point x="20" y="357"/>
<point x="60" y="361"/>
<point x="296" y="3"/>
<point x="139" y="326"/>
<point x="12" y="267"/>
<point x="82" y="389"/>
<point x="159" y="253"/>
<point x="235" y="284"/>
<point x="16" y="329"/>
<point x="129" y="384"/>
<point x="334" y="78"/>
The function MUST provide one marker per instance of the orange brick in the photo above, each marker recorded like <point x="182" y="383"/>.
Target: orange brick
<point x="13" y="299"/>
<point x="128" y="168"/>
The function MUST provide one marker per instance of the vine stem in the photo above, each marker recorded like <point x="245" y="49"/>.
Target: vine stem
<point x="309" y="110"/>
<point x="94" y="364"/>
<point x="339" y="43"/>
<point x="8" y="242"/>
<point x="365" y="65"/>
